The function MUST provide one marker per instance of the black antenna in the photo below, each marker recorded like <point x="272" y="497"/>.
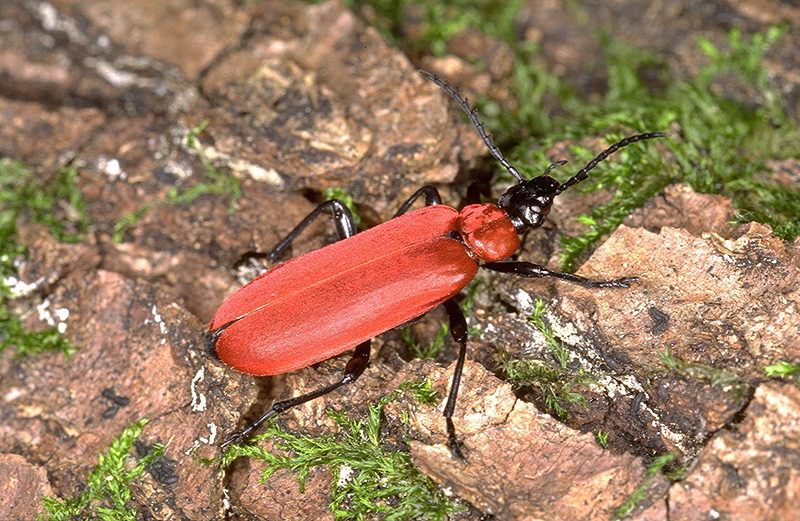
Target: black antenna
<point x="583" y="173"/>
<point x="473" y="116"/>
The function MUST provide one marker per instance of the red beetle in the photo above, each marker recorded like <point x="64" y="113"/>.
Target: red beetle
<point x="325" y="302"/>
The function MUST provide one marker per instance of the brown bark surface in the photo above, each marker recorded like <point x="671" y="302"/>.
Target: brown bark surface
<point x="300" y="98"/>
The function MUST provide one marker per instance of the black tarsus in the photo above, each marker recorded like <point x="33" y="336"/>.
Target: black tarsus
<point x="529" y="269"/>
<point x="354" y="368"/>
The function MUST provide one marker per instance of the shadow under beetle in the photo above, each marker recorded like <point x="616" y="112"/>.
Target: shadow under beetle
<point x="327" y="301"/>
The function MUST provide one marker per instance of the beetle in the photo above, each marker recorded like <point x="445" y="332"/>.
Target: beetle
<point x="327" y="301"/>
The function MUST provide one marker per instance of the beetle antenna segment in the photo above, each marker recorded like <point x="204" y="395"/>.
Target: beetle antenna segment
<point x="583" y="173"/>
<point x="473" y="116"/>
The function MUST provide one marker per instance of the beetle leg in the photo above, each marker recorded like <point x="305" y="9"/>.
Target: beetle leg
<point x="458" y="329"/>
<point x="342" y="219"/>
<point x="529" y="269"/>
<point x="354" y="368"/>
<point x="431" y="194"/>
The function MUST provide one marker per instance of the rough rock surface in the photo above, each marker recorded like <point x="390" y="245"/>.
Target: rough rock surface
<point x="301" y="98"/>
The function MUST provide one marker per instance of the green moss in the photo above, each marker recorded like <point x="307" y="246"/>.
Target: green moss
<point x="366" y="478"/>
<point x="55" y="202"/>
<point x="556" y="347"/>
<point x="30" y="342"/>
<point x="554" y="381"/>
<point x="106" y="495"/>
<point x="553" y="384"/>
<point x="728" y="380"/>
<point x="640" y="493"/>
<point x="421" y="391"/>
<point x="602" y="438"/>
<point x="783" y="369"/>
<point x="438" y="20"/>
<point x="427" y="349"/>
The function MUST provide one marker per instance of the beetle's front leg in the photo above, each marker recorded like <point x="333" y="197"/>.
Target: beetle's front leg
<point x="529" y="269"/>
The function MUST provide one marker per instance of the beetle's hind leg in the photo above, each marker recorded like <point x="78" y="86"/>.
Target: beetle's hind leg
<point x="354" y="368"/>
<point x="458" y="329"/>
<point x="529" y="269"/>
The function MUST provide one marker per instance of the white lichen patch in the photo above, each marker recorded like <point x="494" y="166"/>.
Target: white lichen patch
<point x="208" y="440"/>
<point x="345" y="475"/>
<point x="19" y="288"/>
<point x="252" y="170"/>
<point x="212" y="436"/>
<point x="562" y="329"/>
<point x="524" y="301"/>
<point x="54" y="21"/>
<point x="198" y="398"/>
<point x="56" y="318"/>
<point x="162" y="326"/>
<point x="112" y="168"/>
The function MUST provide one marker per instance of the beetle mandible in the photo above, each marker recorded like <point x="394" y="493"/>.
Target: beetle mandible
<point x="339" y="297"/>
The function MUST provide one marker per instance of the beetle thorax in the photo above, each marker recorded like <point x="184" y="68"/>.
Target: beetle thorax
<point x="488" y="232"/>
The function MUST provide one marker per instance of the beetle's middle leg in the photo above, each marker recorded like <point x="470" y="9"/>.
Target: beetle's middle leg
<point x="354" y="368"/>
<point x="342" y="219"/>
<point x="430" y="193"/>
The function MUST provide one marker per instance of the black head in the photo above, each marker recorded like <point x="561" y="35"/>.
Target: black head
<point x="528" y="202"/>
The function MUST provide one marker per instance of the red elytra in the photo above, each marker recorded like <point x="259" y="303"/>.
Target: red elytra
<point x="329" y="300"/>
